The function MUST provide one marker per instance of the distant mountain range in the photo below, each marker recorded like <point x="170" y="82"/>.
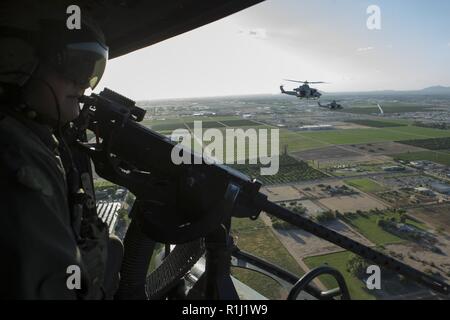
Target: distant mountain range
<point x="434" y="90"/>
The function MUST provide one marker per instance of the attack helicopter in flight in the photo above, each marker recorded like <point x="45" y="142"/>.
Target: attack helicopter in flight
<point x="333" y="105"/>
<point x="304" y="91"/>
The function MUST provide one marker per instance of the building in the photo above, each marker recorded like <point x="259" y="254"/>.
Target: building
<point x="108" y="212"/>
<point x="418" y="164"/>
<point x="441" y="188"/>
<point x="120" y="193"/>
<point x="101" y="194"/>
<point x="316" y="127"/>
<point x="424" y="191"/>
<point x="394" y="168"/>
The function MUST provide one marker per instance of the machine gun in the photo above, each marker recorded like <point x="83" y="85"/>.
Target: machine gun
<point x="191" y="205"/>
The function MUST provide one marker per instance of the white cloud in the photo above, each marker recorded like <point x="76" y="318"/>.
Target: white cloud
<point x="365" y="49"/>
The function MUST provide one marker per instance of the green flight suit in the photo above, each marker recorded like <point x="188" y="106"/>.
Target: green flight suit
<point x="37" y="240"/>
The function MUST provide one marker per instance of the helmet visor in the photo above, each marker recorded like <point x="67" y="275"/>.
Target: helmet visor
<point x="84" y="63"/>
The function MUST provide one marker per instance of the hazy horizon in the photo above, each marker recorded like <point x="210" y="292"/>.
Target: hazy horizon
<point x="279" y="94"/>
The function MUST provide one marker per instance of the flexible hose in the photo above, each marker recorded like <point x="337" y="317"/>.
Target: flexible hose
<point x="138" y="252"/>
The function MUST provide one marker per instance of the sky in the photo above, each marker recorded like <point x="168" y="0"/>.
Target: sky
<point x="252" y="51"/>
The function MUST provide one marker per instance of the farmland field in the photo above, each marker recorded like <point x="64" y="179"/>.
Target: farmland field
<point x="313" y="140"/>
<point x="431" y="144"/>
<point x="377" y="123"/>
<point x="207" y="122"/>
<point x="258" y="239"/>
<point x="357" y="136"/>
<point x="290" y="170"/>
<point x="365" y="185"/>
<point x="356" y="287"/>
<point x="240" y="123"/>
<point x="296" y="141"/>
<point x="367" y="225"/>
<point x="387" y="109"/>
<point x="437" y="216"/>
<point x="352" y="203"/>
<point x="442" y="157"/>
<point x="170" y="126"/>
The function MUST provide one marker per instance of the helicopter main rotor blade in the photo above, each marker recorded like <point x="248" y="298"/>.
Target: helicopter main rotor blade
<point x="309" y="82"/>
<point x="295" y="81"/>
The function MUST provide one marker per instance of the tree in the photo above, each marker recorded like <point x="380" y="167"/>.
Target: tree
<point x="357" y="266"/>
<point x="381" y="222"/>
<point x="325" y="216"/>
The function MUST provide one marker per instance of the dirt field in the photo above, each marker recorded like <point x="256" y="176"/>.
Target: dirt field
<point x="356" y="153"/>
<point x="344" y="125"/>
<point x="437" y="216"/>
<point x="384" y="148"/>
<point x="352" y="203"/>
<point x="334" y="152"/>
<point x="317" y="190"/>
<point x="425" y="260"/>
<point x="312" y="208"/>
<point x="283" y="193"/>
<point x="302" y="244"/>
<point x="338" y="154"/>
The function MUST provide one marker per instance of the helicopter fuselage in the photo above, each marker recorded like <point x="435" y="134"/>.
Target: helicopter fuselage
<point x="332" y="106"/>
<point x="303" y="92"/>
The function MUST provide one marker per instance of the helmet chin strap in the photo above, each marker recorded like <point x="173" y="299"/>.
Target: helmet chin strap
<point x="57" y="105"/>
<point x="47" y="119"/>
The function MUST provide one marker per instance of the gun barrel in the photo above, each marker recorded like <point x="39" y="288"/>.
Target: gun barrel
<point x="366" y="252"/>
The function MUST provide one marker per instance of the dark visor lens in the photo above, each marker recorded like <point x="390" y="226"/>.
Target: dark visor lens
<point x="85" y="63"/>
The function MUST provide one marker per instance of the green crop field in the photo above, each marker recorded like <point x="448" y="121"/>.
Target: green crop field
<point x="377" y="123"/>
<point x="367" y="225"/>
<point x="207" y="122"/>
<point x="290" y="170"/>
<point x="442" y="157"/>
<point x="299" y="141"/>
<point x="356" y="287"/>
<point x="168" y="126"/>
<point x="392" y="283"/>
<point x="102" y="183"/>
<point x="204" y="124"/>
<point x="240" y="123"/>
<point x="387" y="108"/>
<point x="312" y="140"/>
<point x="356" y="136"/>
<point x="431" y="144"/>
<point x="365" y="185"/>
<point x="258" y="239"/>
